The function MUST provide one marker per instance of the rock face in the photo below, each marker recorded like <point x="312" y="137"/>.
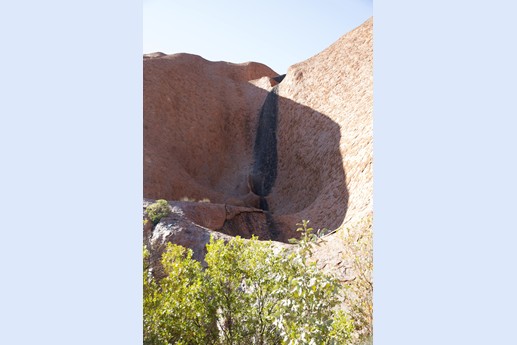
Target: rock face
<point x="199" y="127"/>
<point x="267" y="149"/>
<point x="325" y="129"/>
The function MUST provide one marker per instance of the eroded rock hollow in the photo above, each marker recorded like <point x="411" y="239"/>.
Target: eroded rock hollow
<point x="239" y="149"/>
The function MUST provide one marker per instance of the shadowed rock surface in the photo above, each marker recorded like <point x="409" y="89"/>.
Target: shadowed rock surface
<point x="335" y="85"/>
<point x="214" y="130"/>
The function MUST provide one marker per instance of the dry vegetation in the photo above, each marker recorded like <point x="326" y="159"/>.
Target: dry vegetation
<point x="358" y="249"/>
<point x="348" y="254"/>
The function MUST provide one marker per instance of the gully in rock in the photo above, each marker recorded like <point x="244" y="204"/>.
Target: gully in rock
<point x="265" y="155"/>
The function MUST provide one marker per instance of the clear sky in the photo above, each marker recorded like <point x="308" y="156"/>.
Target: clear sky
<point x="277" y="33"/>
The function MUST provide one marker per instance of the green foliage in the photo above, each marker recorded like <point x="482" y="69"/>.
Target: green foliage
<point x="243" y="277"/>
<point x="342" y="327"/>
<point x="248" y="294"/>
<point x="158" y="210"/>
<point x="308" y="237"/>
<point x="175" y="309"/>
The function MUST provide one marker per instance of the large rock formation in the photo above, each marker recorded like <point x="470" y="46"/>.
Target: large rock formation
<point x="265" y="154"/>
<point x="325" y="133"/>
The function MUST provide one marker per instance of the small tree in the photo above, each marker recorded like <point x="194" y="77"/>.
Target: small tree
<point x="248" y="294"/>
<point x="245" y="277"/>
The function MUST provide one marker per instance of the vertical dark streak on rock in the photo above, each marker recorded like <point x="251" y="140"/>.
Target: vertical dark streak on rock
<point x="265" y="157"/>
<point x="263" y="205"/>
<point x="273" y="230"/>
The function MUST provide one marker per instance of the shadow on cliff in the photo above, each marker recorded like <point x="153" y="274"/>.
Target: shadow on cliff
<point x="309" y="182"/>
<point x="273" y="155"/>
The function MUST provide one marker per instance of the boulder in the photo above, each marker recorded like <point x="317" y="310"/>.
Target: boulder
<point x="192" y="224"/>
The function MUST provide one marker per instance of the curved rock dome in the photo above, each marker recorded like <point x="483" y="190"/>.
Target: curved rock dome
<point x="231" y="134"/>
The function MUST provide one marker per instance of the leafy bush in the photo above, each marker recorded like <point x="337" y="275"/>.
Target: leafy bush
<point x="158" y="210"/>
<point x="357" y="252"/>
<point x="248" y="294"/>
<point x="308" y="237"/>
<point x="175" y="311"/>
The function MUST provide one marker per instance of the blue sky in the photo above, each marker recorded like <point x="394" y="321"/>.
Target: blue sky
<point x="277" y="33"/>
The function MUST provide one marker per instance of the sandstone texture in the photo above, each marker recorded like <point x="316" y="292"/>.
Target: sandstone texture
<point x="325" y="134"/>
<point x="199" y="127"/>
<point x="262" y="151"/>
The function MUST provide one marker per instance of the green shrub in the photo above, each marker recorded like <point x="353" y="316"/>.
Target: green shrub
<point x="175" y="311"/>
<point x="248" y="294"/>
<point x="308" y="237"/>
<point x="158" y="210"/>
<point x="342" y="327"/>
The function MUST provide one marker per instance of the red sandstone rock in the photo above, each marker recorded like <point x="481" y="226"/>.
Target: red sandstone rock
<point x="200" y="123"/>
<point x="325" y="129"/>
